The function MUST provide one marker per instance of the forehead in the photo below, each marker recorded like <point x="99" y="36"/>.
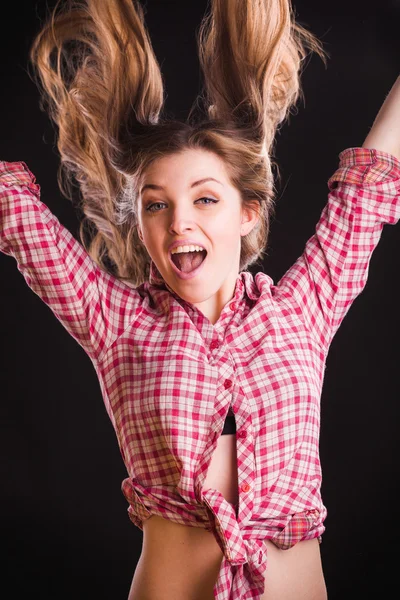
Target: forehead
<point x="184" y="167"/>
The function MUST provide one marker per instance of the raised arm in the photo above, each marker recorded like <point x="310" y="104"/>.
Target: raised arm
<point x="385" y="131"/>
<point x="364" y="195"/>
<point x="94" y="307"/>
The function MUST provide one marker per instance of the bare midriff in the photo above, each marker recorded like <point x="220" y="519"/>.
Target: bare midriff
<point x="181" y="562"/>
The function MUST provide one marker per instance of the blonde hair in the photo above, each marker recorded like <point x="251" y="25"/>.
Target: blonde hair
<point x="102" y="86"/>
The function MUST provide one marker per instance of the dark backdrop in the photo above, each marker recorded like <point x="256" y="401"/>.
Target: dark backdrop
<point x="65" y="532"/>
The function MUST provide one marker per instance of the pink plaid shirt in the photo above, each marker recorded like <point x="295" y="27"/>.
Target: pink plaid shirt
<point x="168" y="376"/>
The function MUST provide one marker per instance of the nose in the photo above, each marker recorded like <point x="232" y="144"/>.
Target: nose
<point x="180" y="221"/>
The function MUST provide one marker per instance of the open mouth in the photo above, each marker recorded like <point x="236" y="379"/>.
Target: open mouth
<point x="187" y="262"/>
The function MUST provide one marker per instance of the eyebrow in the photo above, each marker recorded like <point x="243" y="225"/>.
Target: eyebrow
<point x="152" y="186"/>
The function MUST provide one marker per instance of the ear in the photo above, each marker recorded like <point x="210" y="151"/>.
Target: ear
<point x="250" y="217"/>
<point x="139" y="231"/>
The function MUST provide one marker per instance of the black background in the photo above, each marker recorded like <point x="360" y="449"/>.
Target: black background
<point x="65" y="532"/>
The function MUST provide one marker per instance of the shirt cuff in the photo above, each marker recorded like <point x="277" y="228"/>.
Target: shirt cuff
<point x="17" y="173"/>
<point x="363" y="166"/>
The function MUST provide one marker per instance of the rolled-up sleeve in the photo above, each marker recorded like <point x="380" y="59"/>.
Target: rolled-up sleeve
<point x="364" y="195"/>
<point x="91" y="304"/>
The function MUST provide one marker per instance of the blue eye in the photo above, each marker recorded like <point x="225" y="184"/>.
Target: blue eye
<point x="150" y="207"/>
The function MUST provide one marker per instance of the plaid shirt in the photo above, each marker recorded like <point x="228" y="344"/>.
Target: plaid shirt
<point x="168" y="376"/>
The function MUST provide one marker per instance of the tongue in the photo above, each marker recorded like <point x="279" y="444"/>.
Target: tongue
<point x="188" y="261"/>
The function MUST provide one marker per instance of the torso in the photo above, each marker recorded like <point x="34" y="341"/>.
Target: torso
<point x="178" y="561"/>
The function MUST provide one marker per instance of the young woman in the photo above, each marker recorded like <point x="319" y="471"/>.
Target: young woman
<point x="211" y="377"/>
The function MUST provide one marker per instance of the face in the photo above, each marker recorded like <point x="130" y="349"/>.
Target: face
<point x="181" y="203"/>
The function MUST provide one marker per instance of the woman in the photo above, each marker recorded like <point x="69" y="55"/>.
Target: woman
<point x="179" y="332"/>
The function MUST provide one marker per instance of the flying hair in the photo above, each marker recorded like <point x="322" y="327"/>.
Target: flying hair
<point x="102" y="86"/>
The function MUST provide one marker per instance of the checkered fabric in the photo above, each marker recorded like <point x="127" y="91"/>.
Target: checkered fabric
<point x="168" y="376"/>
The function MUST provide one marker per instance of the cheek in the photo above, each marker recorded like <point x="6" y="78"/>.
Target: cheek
<point x="149" y="234"/>
<point x="227" y="230"/>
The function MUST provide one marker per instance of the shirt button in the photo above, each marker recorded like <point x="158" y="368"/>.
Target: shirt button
<point x="214" y="345"/>
<point x="233" y="306"/>
<point x="246" y="487"/>
<point x="242" y="433"/>
<point x="227" y="383"/>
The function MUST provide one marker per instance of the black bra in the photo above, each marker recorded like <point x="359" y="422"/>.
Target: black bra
<point x="230" y="423"/>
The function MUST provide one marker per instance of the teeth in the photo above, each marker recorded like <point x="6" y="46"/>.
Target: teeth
<point x="179" y="249"/>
